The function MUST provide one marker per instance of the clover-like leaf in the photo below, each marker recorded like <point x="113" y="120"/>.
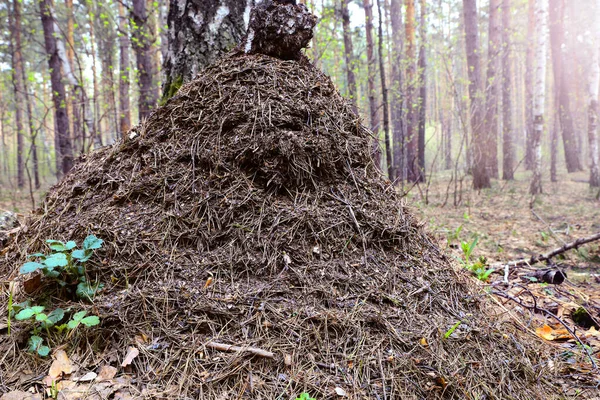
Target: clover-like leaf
<point x="56" y="260"/>
<point x="92" y="320"/>
<point x="34" y="342"/>
<point x="30" y="267"/>
<point x="82" y="255"/>
<point x="56" y="245"/>
<point x="43" y="351"/>
<point x="41" y="317"/>
<point x="92" y="243"/>
<point x="70" y="245"/>
<point x="37" y="309"/>
<point x="87" y="290"/>
<point x="24" y="314"/>
<point x="36" y="255"/>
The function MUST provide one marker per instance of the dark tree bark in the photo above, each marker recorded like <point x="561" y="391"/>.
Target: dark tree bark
<point x="124" y="75"/>
<point x="384" y="97"/>
<point x="142" y="39"/>
<point x="397" y="86"/>
<point x="412" y="134"/>
<point x="491" y="87"/>
<point x="348" y="53"/>
<point x="561" y="84"/>
<point x="481" y="178"/>
<point x="371" y="71"/>
<point x="529" y="153"/>
<point x="18" y="87"/>
<point x="200" y="31"/>
<point x="107" y="38"/>
<point x="64" y="151"/>
<point x="422" y="101"/>
<point x="507" y="126"/>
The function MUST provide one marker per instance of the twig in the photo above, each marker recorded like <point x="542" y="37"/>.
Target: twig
<point x="551" y="314"/>
<point x="548" y="226"/>
<point x="232" y="348"/>
<point x="546" y="257"/>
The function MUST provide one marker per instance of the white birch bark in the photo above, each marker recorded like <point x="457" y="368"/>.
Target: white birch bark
<point x="594" y="84"/>
<point x="539" y="92"/>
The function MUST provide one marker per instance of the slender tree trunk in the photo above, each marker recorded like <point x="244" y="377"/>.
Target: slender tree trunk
<point x="18" y="86"/>
<point x="4" y="151"/>
<point x="481" y="178"/>
<point x="384" y="96"/>
<point x="412" y="129"/>
<point x="348" y="53"/>
<point x="106" y="49"/>
<point x="142" y="40"/>
<point x="371" y="71"/>
<point x="124" y="74"/>
<point x="64" y="151"/>
<point x="397" y="87"/>
<point x="200" y="31"/>
<point x="539" y="93"/>
<point x="594" y="83"/>
<point x="422" y="100"/>
<point x="507" y="125"/>
<point x="561" y="84"/>
<point x="96" y="132"/>
<point x="491" y="86"/>
<point x="529" y="152"/>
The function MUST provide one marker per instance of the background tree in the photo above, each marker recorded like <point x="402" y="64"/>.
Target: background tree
<point x="539" y="93"/>
<point x="507" y="84"/>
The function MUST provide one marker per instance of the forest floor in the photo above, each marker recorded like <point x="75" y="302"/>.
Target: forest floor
<point x="507" y="226"/>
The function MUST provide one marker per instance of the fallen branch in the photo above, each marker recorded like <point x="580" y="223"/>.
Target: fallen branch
<point x="232" y="348"/>
<point x="546" y="257"/>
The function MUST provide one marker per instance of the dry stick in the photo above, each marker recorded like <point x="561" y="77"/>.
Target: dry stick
<point x="549" y="313"/>
<point x="548" y="226"/>
<point x="232" y="348"/>
<point x="548" y="256"/>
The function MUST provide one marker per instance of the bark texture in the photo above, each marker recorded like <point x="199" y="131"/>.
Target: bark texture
<point x="508" y="157"/>
<point x="491" y="86"/>
<point x="594" y="83"/>
<point x="18" y="88"/>
<point x="539" y="92"/>
<point x="422" y="100"/>
<point x="529" y="152"/>
<point x="384" y="98"/>
<point x="412" y="133"/>
<point x="481" y="178"/>
<point x="397" y="86"/>
<point x="199" y="32"/>
<point x="124" y="74"/>
<point x="64" y="151"/>
<point x="348" y="53"/>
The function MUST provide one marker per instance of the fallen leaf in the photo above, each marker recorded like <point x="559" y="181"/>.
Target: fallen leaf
<point x="287" y="359"/>
<point x="132" y="353"/>
<point x="340" y="392"/>
<point x="106" y="373"/>
<point x="423" y="342"/>
<point x="33" y="284"/>
<point x="19" y="395"/>
<point x="90" y="376"/>
<point x="60" y="365"/>
<point x="548" y="333"/>
<point x="209" y="281"/>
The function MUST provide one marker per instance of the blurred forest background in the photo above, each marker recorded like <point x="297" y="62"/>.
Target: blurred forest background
<point x="466" y="91"/>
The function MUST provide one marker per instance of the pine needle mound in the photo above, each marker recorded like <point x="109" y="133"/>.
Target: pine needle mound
<point x="247" y="211"/>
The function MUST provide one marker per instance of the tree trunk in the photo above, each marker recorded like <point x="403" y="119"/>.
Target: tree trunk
<point x="96" y="132"/>
<point x="18" y="87"/>
<point x="481" y="178"/>
<point x="142" y="40"/>
<point x="422" y="100"/>
<point x="124" y="75"/>
<point x="507" y="125"/>
<point x="529" y="153"/>
<point x="397" y="88"/>
<point x="384" y="96"/>
<point x="412" y="133"/>
<point x="371" y="71"/>
<point x="491" y="86"/>
<point x="106" y="47"/>
<point x="4" y="151"/>
<point x="593" y="102"/>
<point x="539" y="92"/>
<point x="561" y="85"/>
<point x="349" y="54"/>
<point x="200" y="31"/>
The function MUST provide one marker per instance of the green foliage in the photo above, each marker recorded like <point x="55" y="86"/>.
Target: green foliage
<point x="478" y="268"/>
<point x="305" y="396"/>
<point x="66" y="264"/>
<point x="454" y="235"/>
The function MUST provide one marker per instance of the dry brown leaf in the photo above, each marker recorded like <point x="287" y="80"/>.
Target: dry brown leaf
<point x="132" y="353"/>
<point x="423" y="342"/>
<point x="106" y="373"/>
<point x="60" y="365"/>
<point x="548" y="333"/>
<point x="19" y="395"/>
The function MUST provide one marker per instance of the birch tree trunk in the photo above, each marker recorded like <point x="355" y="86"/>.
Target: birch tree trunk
<point x="539" y="92"/>
<point x="412" y="134"/>
<point x="422" y="100"/>
<point x="384" y="97"/>
<point x="529" y="58"/>
<point x="507" y="125"/>
<point x="481" y="178"/>
<point x="200" y="31"/>
<point x="18" y="87"/>
<point x="491" y="86"/>
<point x="593" y="101"/>
<point x="348" y="53"/>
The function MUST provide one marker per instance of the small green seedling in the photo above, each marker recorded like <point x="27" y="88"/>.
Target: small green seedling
<point x="451" y="330"/>
<point x="66" y="264"/>
<point x="80" y="318"/>
<point x="455" y="235"/>
<point x="305" y="396"/>
<point x="478" y="268"/>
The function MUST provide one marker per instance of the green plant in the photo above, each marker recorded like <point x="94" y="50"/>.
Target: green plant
<point x="43" y="322"/>
<point x="66" y="263"/>
<point x="305" y="396"/>
<point x="479" y="267"/>
<point x="455" y="235"/>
